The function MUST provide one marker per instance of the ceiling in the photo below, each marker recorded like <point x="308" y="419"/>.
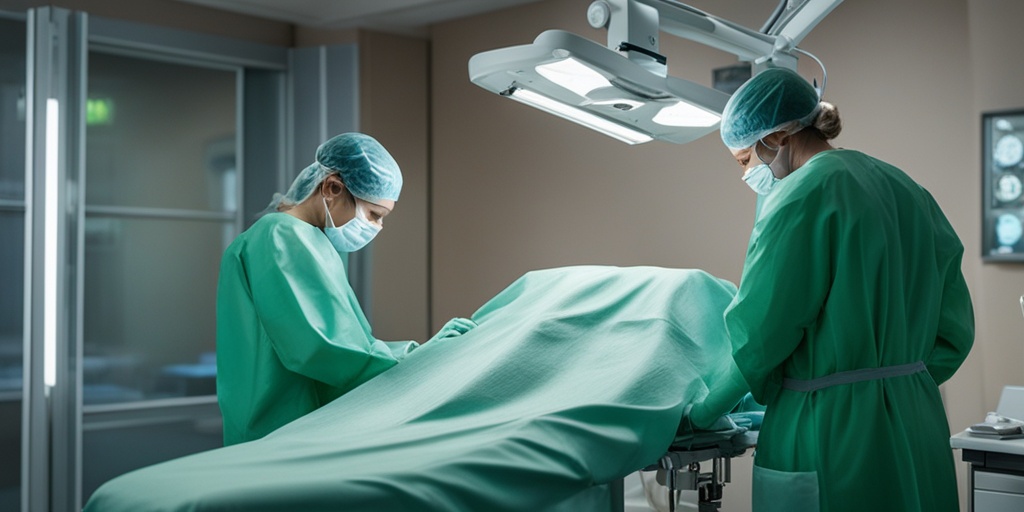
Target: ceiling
<point x="401" y="16"/>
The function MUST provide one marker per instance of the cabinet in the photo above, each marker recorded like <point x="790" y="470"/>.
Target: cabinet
<point x="996" y="474"/>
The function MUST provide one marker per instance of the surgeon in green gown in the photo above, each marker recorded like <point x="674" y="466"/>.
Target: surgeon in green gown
<point x="851" y="311"/>
<point x="291" y="335"/>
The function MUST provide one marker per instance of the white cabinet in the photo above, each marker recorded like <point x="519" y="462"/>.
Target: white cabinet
<point x="997" y="492"/>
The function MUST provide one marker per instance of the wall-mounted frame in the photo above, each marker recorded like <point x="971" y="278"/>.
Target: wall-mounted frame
<point x="1002" y="164"/>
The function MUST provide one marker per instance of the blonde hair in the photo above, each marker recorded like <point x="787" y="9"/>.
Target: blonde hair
<point x="828" y="123"/>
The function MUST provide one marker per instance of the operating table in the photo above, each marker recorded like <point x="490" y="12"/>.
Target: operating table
<point x="573" y="378"/>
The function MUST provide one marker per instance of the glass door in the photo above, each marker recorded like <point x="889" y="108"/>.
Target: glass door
<point x="161" y="204"/>
<point x="118" y="196"/>
<point x="183" y="146"/>
<point x="12" y="253"/>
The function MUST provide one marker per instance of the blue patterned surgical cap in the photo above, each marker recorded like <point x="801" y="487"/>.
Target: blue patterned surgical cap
<point x="776" y="99"/>
<point x="367" y="169"/>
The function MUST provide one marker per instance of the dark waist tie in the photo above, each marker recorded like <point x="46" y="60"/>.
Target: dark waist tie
<point x="852" y="376"/>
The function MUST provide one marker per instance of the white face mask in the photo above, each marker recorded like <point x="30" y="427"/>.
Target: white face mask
<point x="354" y="234"/>
<point x="760" y="179"/>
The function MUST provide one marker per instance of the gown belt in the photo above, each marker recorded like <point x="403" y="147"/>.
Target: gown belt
<point x="852" y="376"/>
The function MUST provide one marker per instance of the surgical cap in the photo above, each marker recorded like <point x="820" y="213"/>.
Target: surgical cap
<point x="367" y="169"/>
<point x="776" y="99"/>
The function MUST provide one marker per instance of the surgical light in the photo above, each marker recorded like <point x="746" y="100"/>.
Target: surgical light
<point x="624" y="89"/>
<point x="573" y="75"/>
<point x="613" y="96"/>
<point x="578" y="116"/>
<point x="684" y="114"/>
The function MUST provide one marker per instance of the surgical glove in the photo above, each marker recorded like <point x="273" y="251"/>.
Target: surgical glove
<point x="454" y="327"/>
<point x="400" y="349"/>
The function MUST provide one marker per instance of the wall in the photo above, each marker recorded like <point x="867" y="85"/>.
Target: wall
<point x="515" y="189"/>
<point x="173" y="14"/>
<point x="996" y="74"/>
<point x="394" y="91"/>
<point x="313" y="36"/>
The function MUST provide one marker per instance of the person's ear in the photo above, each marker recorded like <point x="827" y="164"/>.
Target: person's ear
<point x="777" y="139"/>
<point x="332" y="187"/>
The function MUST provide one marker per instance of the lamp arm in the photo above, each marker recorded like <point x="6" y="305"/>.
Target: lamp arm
<point x="800" y="16"/>
<point x="794" y="23"/>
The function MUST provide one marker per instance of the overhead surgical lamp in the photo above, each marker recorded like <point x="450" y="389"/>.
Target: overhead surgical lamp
<point x="623" y="89"/>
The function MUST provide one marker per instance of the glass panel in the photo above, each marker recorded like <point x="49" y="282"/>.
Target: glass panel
<point x="264" y="119"/>
<point x="12" y="109"/>
<point x="149" y="308"/>
<point x="159" y="135"/>
<point x="12" y="255"/>
<point x="12" y="297"/>
<point x="145" y="439"/>
<point x="12" y="258"/>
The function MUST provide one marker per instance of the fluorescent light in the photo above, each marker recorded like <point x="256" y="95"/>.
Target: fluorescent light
<point x="684" y="114"/>
<point x="584" y="76"/>
<point x="51" y="207"/>
<point x="573" y="75"/>
<point x="579" y="116"/>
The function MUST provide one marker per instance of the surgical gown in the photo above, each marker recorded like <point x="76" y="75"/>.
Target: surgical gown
<point x="291" y="336"/>
<point x="851" y="265"/>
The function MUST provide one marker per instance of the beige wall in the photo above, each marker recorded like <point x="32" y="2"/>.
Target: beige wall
<point x="515" y="189"/>
<point x="313" y="36"/>
<point x="997" y="70"/>
<point x="394" y="91"/>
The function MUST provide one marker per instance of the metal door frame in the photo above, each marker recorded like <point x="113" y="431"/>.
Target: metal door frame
<point x="58" y="42"/>
<point x="54" y="170"/>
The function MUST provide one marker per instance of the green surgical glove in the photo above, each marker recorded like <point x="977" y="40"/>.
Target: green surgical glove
<point x="455" y="327"/>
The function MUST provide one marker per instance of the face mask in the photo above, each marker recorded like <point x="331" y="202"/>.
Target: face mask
<point x="353" y="235"/>
<point x="760" y="179"/>
<point x="781" y="165"/>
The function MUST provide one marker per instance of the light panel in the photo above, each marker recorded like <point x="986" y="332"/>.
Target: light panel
<point x="579" y="116"/>
<point x="684" y="114"/>
<point x="573" y="75"/>
<point x="52" y="208"/>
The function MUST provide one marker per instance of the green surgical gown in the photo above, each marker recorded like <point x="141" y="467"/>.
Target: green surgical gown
<point x="291" y="336"/>
<point x="851" y="265"/>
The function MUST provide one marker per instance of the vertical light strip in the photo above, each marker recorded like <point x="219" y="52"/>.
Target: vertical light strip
<point x="50" y="245"/>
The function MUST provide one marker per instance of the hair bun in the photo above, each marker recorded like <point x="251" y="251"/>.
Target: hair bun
<point x="828" y="122"/>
